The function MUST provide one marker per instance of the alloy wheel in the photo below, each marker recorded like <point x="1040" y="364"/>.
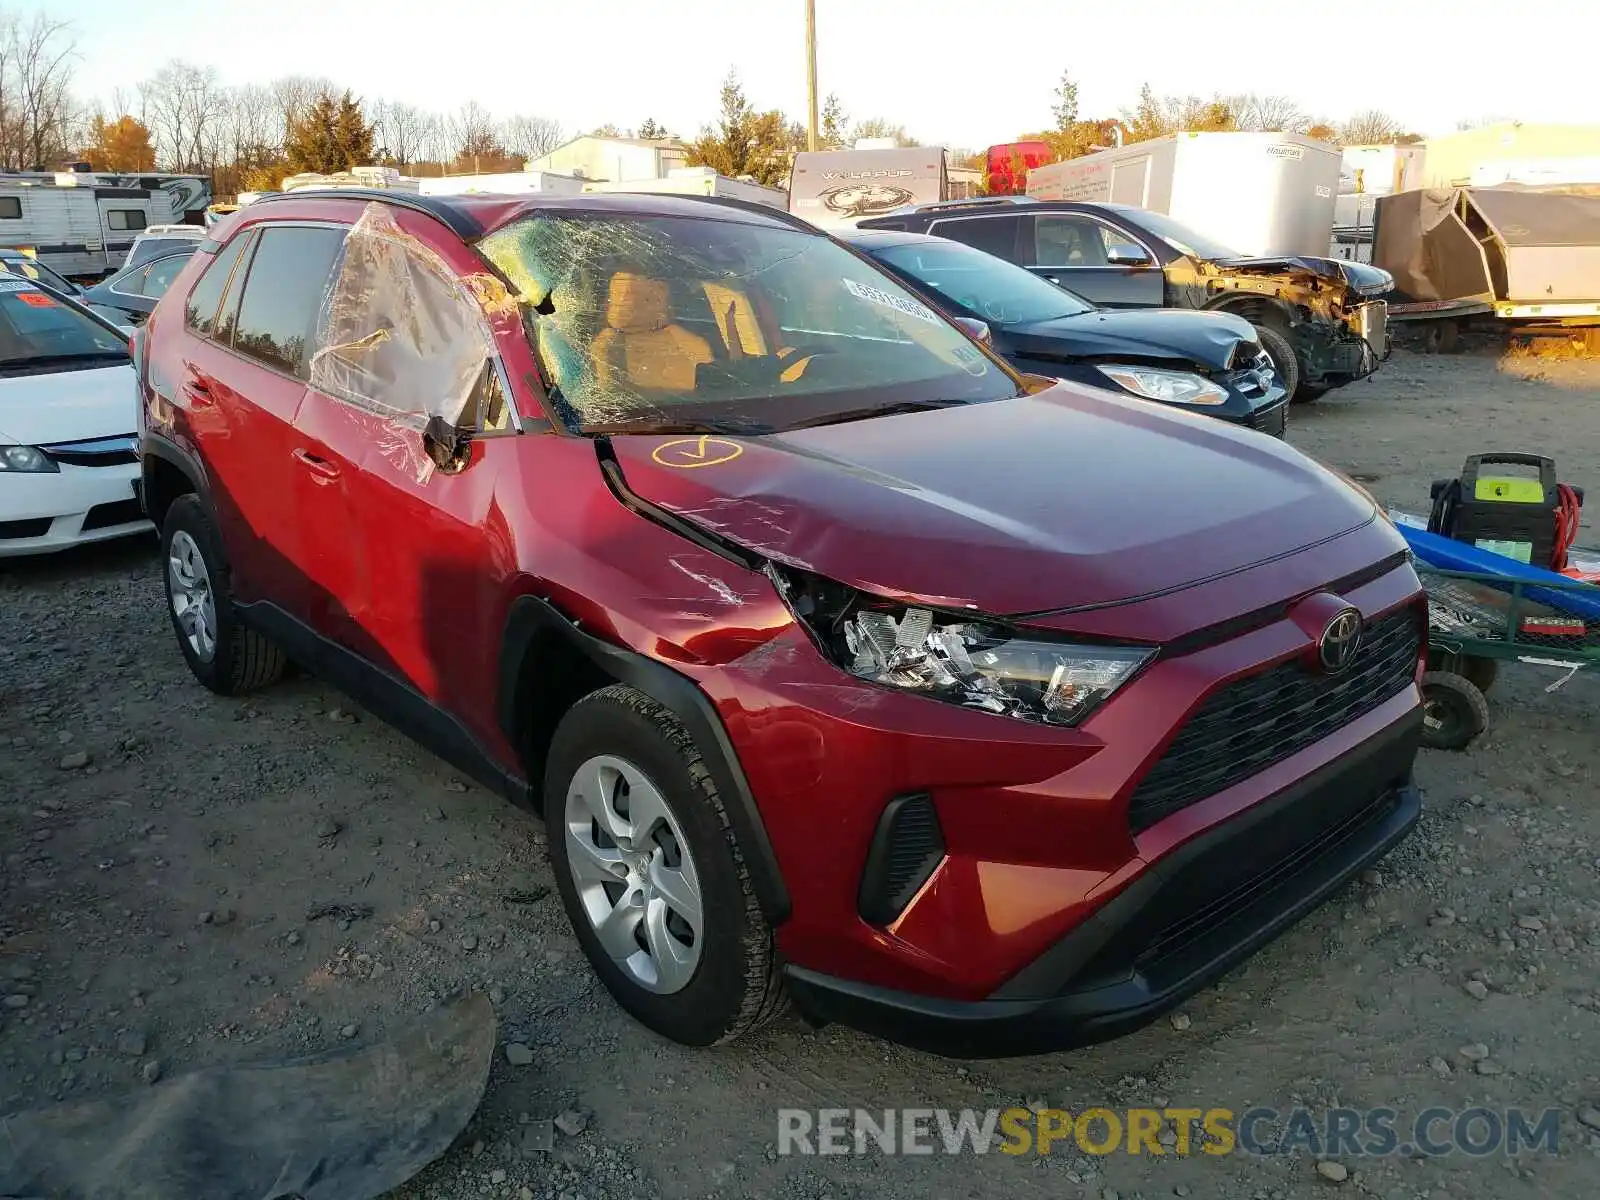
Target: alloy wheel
<point x="634" y="875"/>
<point x="189" y="590"/>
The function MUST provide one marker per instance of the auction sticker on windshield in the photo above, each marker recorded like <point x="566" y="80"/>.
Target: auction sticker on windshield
<point x="872" y="295"/>
<point x="691" y="452"/>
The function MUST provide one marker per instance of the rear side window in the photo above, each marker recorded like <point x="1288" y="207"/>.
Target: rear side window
<point x="161" y="273"/>
<point x="283" y="295"/>
<point x="200" y="313"/>
<point x="125" y="218"/>
<point x="992" y="235"/>
<point x="10" y="208"/>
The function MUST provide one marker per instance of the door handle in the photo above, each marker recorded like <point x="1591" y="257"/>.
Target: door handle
<point x="317" y="466"/>
<point x="198" y="389"/>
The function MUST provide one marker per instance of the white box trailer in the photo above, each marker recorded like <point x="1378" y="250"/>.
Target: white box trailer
<point x="75" y="226"/>
<point x="698" y="181"/>
<point x="501" y="183"/>
<point x="1259" y="193"/>
<point x="1366" y="173"/>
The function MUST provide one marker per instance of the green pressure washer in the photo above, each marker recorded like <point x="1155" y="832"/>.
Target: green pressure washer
<point x="1530" y="520"/>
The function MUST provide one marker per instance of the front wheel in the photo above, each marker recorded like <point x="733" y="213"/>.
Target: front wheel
<point x="1284" y="364"/>
<point x="651" y="873"/>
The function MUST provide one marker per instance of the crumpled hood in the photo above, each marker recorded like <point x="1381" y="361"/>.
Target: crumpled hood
<point x="68" y="406"/>
<point x="1206" y="339"/>
<point x="1071" y="497"/>
<point x="1360" y="277"/>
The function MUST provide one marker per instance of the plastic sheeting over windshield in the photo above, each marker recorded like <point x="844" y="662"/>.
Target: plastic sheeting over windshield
<point x="403" y="336"/>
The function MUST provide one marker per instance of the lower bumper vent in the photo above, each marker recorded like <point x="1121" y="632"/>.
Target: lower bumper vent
<point x="906" y="849"/>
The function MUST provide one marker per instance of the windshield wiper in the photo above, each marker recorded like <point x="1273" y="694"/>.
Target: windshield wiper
<point x="37" y="360"/>
<point x="882" y="410"/>
<point x="734" y="427"/>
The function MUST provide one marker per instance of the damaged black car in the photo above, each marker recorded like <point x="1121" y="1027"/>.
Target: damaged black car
<point x="1206" y="363"/>
<point x="1322" y="321"/>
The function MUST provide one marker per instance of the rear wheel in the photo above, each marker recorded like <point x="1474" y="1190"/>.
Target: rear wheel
<point x="1284" y="363"/>
<point x="1454" y="711"/>
<point x="651" y="873"/>
<point x="222" y="652"/>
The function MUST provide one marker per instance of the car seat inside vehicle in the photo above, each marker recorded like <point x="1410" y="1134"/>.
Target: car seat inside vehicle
<point x="641" y="343"/>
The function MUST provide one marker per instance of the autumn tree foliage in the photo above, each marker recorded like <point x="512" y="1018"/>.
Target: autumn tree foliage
<point x="120" y="145"/>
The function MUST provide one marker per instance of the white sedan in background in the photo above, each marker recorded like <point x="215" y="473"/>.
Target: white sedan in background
<point x="69" y="473"/>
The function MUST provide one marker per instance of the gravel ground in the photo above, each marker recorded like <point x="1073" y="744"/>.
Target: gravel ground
<point x="165" y="853"/>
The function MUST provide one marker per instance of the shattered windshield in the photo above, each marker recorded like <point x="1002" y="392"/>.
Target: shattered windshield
<point x="644" y="323"/>
<point x="985" y="286"/>
<point x="1185" y="240"/>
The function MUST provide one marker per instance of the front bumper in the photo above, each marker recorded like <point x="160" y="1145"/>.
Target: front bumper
<point x="1178" y="926"/>
<point x="1331" y="355"/>
<point x="40" y="513"/>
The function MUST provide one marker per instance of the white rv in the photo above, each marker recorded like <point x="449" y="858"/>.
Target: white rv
<point x="76" y="226"/>
<point x="699" y="181"/>
<point x="1259" y="193"/>
<point x="832" y="188"/>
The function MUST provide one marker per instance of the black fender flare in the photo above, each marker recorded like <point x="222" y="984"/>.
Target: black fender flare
<point x="153" y="447"/>
<point x="531" y="616"/>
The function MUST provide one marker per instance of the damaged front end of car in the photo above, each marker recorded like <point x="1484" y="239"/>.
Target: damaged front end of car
<point x="1332" y="312"/>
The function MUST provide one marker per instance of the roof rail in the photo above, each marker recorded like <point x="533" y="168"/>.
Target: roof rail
<point x="971" y="202"/>
<point x="460" y="223"/>
<point x="750" y="206"/>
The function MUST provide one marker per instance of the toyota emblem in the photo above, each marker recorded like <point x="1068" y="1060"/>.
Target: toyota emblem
<point x="1340" y="640"/>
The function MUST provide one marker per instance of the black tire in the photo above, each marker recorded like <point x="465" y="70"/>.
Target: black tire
<point x="735" y="985"/>
<point x="1454" y="711"/>
<point x="242" y="660"/>
<point x="1284" y="362"/>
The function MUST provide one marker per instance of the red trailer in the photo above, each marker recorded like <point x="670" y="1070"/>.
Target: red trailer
<point x="1007" y="165"/>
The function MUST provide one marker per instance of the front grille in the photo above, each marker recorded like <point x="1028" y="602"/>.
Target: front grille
<point x="1247" y="371"/>
<point x="32" y="528"/>
<point x="1265" y="718"/>
<point x="101" y="452"/>
<point x="118" y="512"/>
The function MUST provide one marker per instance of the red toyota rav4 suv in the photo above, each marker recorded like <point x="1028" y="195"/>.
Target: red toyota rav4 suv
<point x="986" y="712"/>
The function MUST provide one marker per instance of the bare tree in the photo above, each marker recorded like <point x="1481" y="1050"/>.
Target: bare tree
<point x="126" y="102"/>
<point x="295" y="93"/>
<point x="183" y="103"/>
<point x="44" y="51"/>
<point x="531" y="137"/>
<point x="401" y="129"/>
<point x="471" y="133"/>
<point x="1267" y="114"/>
<point x="1370" y="128"/>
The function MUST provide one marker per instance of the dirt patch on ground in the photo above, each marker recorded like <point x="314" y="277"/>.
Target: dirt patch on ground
<point x="190" y="881"/>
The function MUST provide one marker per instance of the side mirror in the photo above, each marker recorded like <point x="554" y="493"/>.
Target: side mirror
<point x="975" y="329"/>
<point x="447" y="443"/>
<point x="1127" y="256"/>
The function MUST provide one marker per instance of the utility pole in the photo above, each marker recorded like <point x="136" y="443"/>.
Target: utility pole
<point x="811" y="72"/>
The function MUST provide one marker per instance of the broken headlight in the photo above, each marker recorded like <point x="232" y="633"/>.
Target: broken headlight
<point x="963" y="660"/>
<point x="1169" y="387"/>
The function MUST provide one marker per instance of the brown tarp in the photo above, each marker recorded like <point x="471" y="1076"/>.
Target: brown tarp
<point x="1510" y="244"/>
